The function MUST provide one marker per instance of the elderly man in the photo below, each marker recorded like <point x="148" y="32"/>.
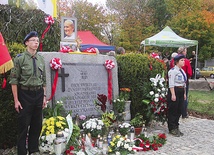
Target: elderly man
<point x="28" y="81"/>
<point x="69" y="29"/>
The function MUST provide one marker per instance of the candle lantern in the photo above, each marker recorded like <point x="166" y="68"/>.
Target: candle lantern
<point x="59" y="143"/>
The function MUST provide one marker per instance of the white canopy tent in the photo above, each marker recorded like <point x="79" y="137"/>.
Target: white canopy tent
<point x="168" y="38"/>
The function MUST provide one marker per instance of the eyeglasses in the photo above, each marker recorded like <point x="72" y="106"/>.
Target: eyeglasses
<point x="34" y="40"/>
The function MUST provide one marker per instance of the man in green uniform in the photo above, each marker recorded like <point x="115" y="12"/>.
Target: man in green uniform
<point x="28" y="81"/>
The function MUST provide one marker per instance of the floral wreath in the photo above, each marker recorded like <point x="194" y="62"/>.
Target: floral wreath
<point x="157" y="98"/>
<point x="149" y="143"/>
<point x="50" y="21"/>
<point x="55" y="65"/>
<point x="109" y="65"/>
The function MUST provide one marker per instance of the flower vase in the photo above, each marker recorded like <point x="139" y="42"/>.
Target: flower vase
<point x="127" y="116"/>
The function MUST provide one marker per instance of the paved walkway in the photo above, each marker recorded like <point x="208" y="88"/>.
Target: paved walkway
<point x="198" y="138"/>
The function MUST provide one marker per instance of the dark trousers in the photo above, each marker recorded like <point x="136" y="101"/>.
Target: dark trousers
<point x="174" y="108"/>
<point x="184" y="109"/>
<point x="29" y="120"/>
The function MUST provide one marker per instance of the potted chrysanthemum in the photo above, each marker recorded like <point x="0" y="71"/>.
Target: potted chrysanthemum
<point x="124" y="128"/>
<point x="53" y="123"/>
<point x="94" y="126"/>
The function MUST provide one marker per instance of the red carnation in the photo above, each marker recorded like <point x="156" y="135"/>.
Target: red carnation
<point x="162" y="135"/>
<point x="71" y="148"/>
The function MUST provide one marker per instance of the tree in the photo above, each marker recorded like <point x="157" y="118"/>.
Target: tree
<point x="90" y="17"/>
<point x="160" y="13"/>
<point x="132" y="17"/>
<point x="198" y="26"/>
<point x="175" y="7"/>
<point x="23" y="4"/>
<point x="208" y="5"/>
<point x="65" y="8"/>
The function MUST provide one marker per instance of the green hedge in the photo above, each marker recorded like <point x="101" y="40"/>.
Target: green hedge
<point x="16" y="23"/>
<point x="134" y="72"/>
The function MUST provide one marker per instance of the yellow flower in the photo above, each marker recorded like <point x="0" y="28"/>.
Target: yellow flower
<point x="52" y="131"/>
<point x="50" y="128"/>
<point x="58" y="124"/>
<point x="52" y="122"/>
<point x="52" y="119"/>
<point x="47" y="132"/>
<point x="63" y="123"/>
<point x="60" y="118"/>
<point x="43" y="127"/>
<point x="118" y="136"/>
<point x="112" y="144"/>
<point x="109" y="150"/>
<point x="48" y="122"/>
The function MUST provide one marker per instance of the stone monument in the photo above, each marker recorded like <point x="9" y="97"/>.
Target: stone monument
<point x="80" y="79"/>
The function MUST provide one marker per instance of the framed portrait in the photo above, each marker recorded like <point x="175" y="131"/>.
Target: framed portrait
<point x="68" y="29"/>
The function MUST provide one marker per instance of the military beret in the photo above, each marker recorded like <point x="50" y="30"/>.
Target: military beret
<point x="178" y="57"/>
<point x="30" y="35"/>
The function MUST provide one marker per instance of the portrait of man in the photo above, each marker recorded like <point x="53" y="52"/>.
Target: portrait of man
<point x="68" y="29"/>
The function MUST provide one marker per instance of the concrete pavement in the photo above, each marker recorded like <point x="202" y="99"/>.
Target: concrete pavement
<point x="198" y="138"/>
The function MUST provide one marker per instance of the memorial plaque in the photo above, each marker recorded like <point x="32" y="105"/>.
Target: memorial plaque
<point x="80" y="79"/>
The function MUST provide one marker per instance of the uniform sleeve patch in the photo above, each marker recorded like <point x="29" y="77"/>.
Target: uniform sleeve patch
<point x="18" y="55"/>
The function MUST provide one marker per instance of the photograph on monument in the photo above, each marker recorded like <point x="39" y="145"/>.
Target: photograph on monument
<point x="68" y="29"/>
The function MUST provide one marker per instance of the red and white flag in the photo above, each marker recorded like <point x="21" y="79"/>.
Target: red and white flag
<point x="6" y="62"/>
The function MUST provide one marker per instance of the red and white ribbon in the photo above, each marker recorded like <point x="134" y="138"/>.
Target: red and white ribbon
<point x="50" y="21"/>
<point x="139" y="148"/>
<point x="109" y="65"/>
<point x="65" y="49"/>
<point x="90" y="50"/>
<point x="55" y="64"/>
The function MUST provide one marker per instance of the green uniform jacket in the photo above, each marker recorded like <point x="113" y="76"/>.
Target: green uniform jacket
<point x="23" y="71"/>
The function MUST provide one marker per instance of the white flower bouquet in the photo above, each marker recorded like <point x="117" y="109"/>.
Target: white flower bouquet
<point x="124" y="128"/>
<point x="94" y="126"/>
<point x="158" y="98"/>
<point x="120" y="146"/>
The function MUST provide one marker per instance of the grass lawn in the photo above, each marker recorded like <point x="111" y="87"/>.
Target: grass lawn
<point x="201" y="102"/>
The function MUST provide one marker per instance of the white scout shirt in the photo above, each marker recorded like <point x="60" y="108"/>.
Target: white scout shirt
<point x="177" y="77"/>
